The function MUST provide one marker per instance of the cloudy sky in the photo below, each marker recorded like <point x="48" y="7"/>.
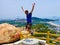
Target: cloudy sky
<point x="11" y="9"/>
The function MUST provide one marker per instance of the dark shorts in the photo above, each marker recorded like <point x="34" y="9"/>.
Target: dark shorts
<point x="30" y="25"/>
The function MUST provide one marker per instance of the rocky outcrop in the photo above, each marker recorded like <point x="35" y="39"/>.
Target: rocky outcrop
<point x="8" y="33"/>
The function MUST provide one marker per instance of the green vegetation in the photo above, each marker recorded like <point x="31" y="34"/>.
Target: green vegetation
<point x="39" y="35"/>
<point x="43" y="28"/>
<point x="42" y="33"/>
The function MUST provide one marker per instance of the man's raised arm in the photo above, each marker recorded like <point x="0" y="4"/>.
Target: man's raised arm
<point x="22" y="9"/>
<point x="33" y="5"/>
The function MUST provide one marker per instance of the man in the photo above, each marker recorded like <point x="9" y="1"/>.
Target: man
<point x="29" y="16"/>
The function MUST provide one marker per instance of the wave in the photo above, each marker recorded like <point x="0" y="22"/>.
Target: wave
<point x="53" y="24"/>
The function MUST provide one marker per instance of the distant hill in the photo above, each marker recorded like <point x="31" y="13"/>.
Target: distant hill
<point x="35" y="18"/>
<point x="22" y="22"/>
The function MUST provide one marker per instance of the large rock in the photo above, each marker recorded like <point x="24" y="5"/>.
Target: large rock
<point x="8" y="33"/>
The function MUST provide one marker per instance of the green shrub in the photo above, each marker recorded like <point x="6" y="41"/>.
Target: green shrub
<point x="39" y="35"/>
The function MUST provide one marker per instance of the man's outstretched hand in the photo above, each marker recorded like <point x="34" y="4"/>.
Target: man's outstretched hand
<point x="22" y="8"/>
<point x="33" y="4"/>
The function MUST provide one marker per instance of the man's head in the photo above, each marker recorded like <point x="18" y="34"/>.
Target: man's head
<point x="26" y="12"/>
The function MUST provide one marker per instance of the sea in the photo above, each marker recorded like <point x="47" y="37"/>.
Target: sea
<point x="57" y="22"/>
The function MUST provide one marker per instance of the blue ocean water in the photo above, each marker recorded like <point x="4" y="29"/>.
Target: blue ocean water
<point x="57" y="22"/>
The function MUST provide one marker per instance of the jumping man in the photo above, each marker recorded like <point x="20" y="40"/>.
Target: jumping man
<point x="29" y="16"/>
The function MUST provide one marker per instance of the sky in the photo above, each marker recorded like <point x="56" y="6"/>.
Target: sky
<point x="11" y="9"/>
